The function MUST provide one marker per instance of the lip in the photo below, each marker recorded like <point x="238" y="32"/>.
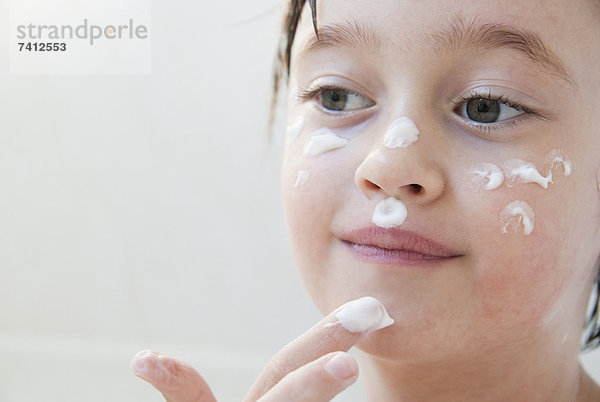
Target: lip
<point x="396" y="247"/>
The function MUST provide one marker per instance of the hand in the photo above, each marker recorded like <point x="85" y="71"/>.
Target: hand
<point x="314" y="367"/>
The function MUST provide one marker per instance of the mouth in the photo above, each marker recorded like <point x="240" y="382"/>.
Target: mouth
<point x="396" y="247"/>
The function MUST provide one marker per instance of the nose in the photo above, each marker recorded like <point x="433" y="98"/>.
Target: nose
<point x="412" y="173"/>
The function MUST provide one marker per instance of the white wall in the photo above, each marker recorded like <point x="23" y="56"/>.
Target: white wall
<point x="143" y="211"/>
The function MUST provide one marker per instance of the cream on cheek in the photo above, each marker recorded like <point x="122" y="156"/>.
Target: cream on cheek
<point x="518" y="171"/>
<point x="557" y="158"/>
<point x="518" y="216"/>
<point x="302" y="178"/>
<point x="293" y="131"/>
<point x="487" y="175"/>
<point x="323" y="140"/>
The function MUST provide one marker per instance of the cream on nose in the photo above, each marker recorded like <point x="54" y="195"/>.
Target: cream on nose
<point x="401" y="133"/>
<point x="399" y="165"/>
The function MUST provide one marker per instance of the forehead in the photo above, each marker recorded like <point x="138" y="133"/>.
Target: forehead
<point x="562" y="35"/>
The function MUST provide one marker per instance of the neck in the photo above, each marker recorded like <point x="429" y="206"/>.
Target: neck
<point x="534" y="374"/>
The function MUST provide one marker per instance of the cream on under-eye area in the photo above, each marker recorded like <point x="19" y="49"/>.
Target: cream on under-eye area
<point x="323" y="140"/>
<point x="293" y="131"/>
<point x="401" y="133"/>
<point x="518" y="216"/>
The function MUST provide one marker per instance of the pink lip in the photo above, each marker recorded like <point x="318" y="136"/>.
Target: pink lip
<point x="395" y="246"/>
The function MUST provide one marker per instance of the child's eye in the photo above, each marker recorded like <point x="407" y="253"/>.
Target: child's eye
<point x="339" y="100"/>
<point x="334" y="99"/>
<point x="486" y="110"/>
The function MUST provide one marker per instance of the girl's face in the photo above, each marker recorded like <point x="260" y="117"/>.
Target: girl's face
<point x="481" y="260"/>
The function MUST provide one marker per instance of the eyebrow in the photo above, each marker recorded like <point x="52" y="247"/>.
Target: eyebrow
<point x="459" y="35"/>
<point x="350" y="34"/>
<point x="456" y="36"/>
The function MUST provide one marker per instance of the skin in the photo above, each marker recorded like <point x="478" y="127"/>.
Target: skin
<point x="500" y="321"/>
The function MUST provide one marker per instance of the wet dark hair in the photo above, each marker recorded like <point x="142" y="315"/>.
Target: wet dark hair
<point x="591" y="338"/>
<point x="591" y="334"/>
<point x="284" y="52"/>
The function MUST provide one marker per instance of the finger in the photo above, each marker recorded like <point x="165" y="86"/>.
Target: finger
<point x="175" y="379"/>
<point x="319" y="380"/>
<point x="338" y="331"/>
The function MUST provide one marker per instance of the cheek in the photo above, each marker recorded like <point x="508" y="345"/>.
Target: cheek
<point x="313" y="189"/>
<point x="520" y="278"/>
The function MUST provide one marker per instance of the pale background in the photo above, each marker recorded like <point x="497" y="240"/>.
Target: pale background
<point x="143" y="211"/>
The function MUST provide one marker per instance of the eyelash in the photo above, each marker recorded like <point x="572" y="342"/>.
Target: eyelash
<point x="488" y="127"/>
<point x="305" y="95"/>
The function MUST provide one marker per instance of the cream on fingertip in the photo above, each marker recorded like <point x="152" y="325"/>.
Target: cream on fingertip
<point x="364" y="315"/>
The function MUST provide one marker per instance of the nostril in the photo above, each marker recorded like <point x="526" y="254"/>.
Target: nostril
<point x="371" y="186"/>
<point x="416" y="188"/>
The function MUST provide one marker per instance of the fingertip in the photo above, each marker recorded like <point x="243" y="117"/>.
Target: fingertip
<point x="146" y="364"/>
<point x="319" y="380"/>
<point x="175" y="379"/>
<point x="341" y="366"/>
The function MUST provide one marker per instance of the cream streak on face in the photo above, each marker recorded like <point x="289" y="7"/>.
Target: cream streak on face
<point x="323" y="140"/>
<point x="292" y="132"/>
<point x="302" y="177"/>
<point x="518" y="215"/>
<point x="401" y="133"/>
<point x="488" y="176"/>
<point x="557" y="158"/>
<point x="519" y="171"/>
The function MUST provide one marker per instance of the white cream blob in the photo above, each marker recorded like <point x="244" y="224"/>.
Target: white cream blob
<point x="301" y="178"/>
<point x="401" y="133"/>
<point x="517" y="215"/>
<point x="323" y="140"/>
<point x="292" y="132"/>
<point x="487" y="175"/>
<point x="557" y="157"/>
<point x="364" y="315"/>
<point x="389" y="213"/>
<point x="519" y="171"/>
